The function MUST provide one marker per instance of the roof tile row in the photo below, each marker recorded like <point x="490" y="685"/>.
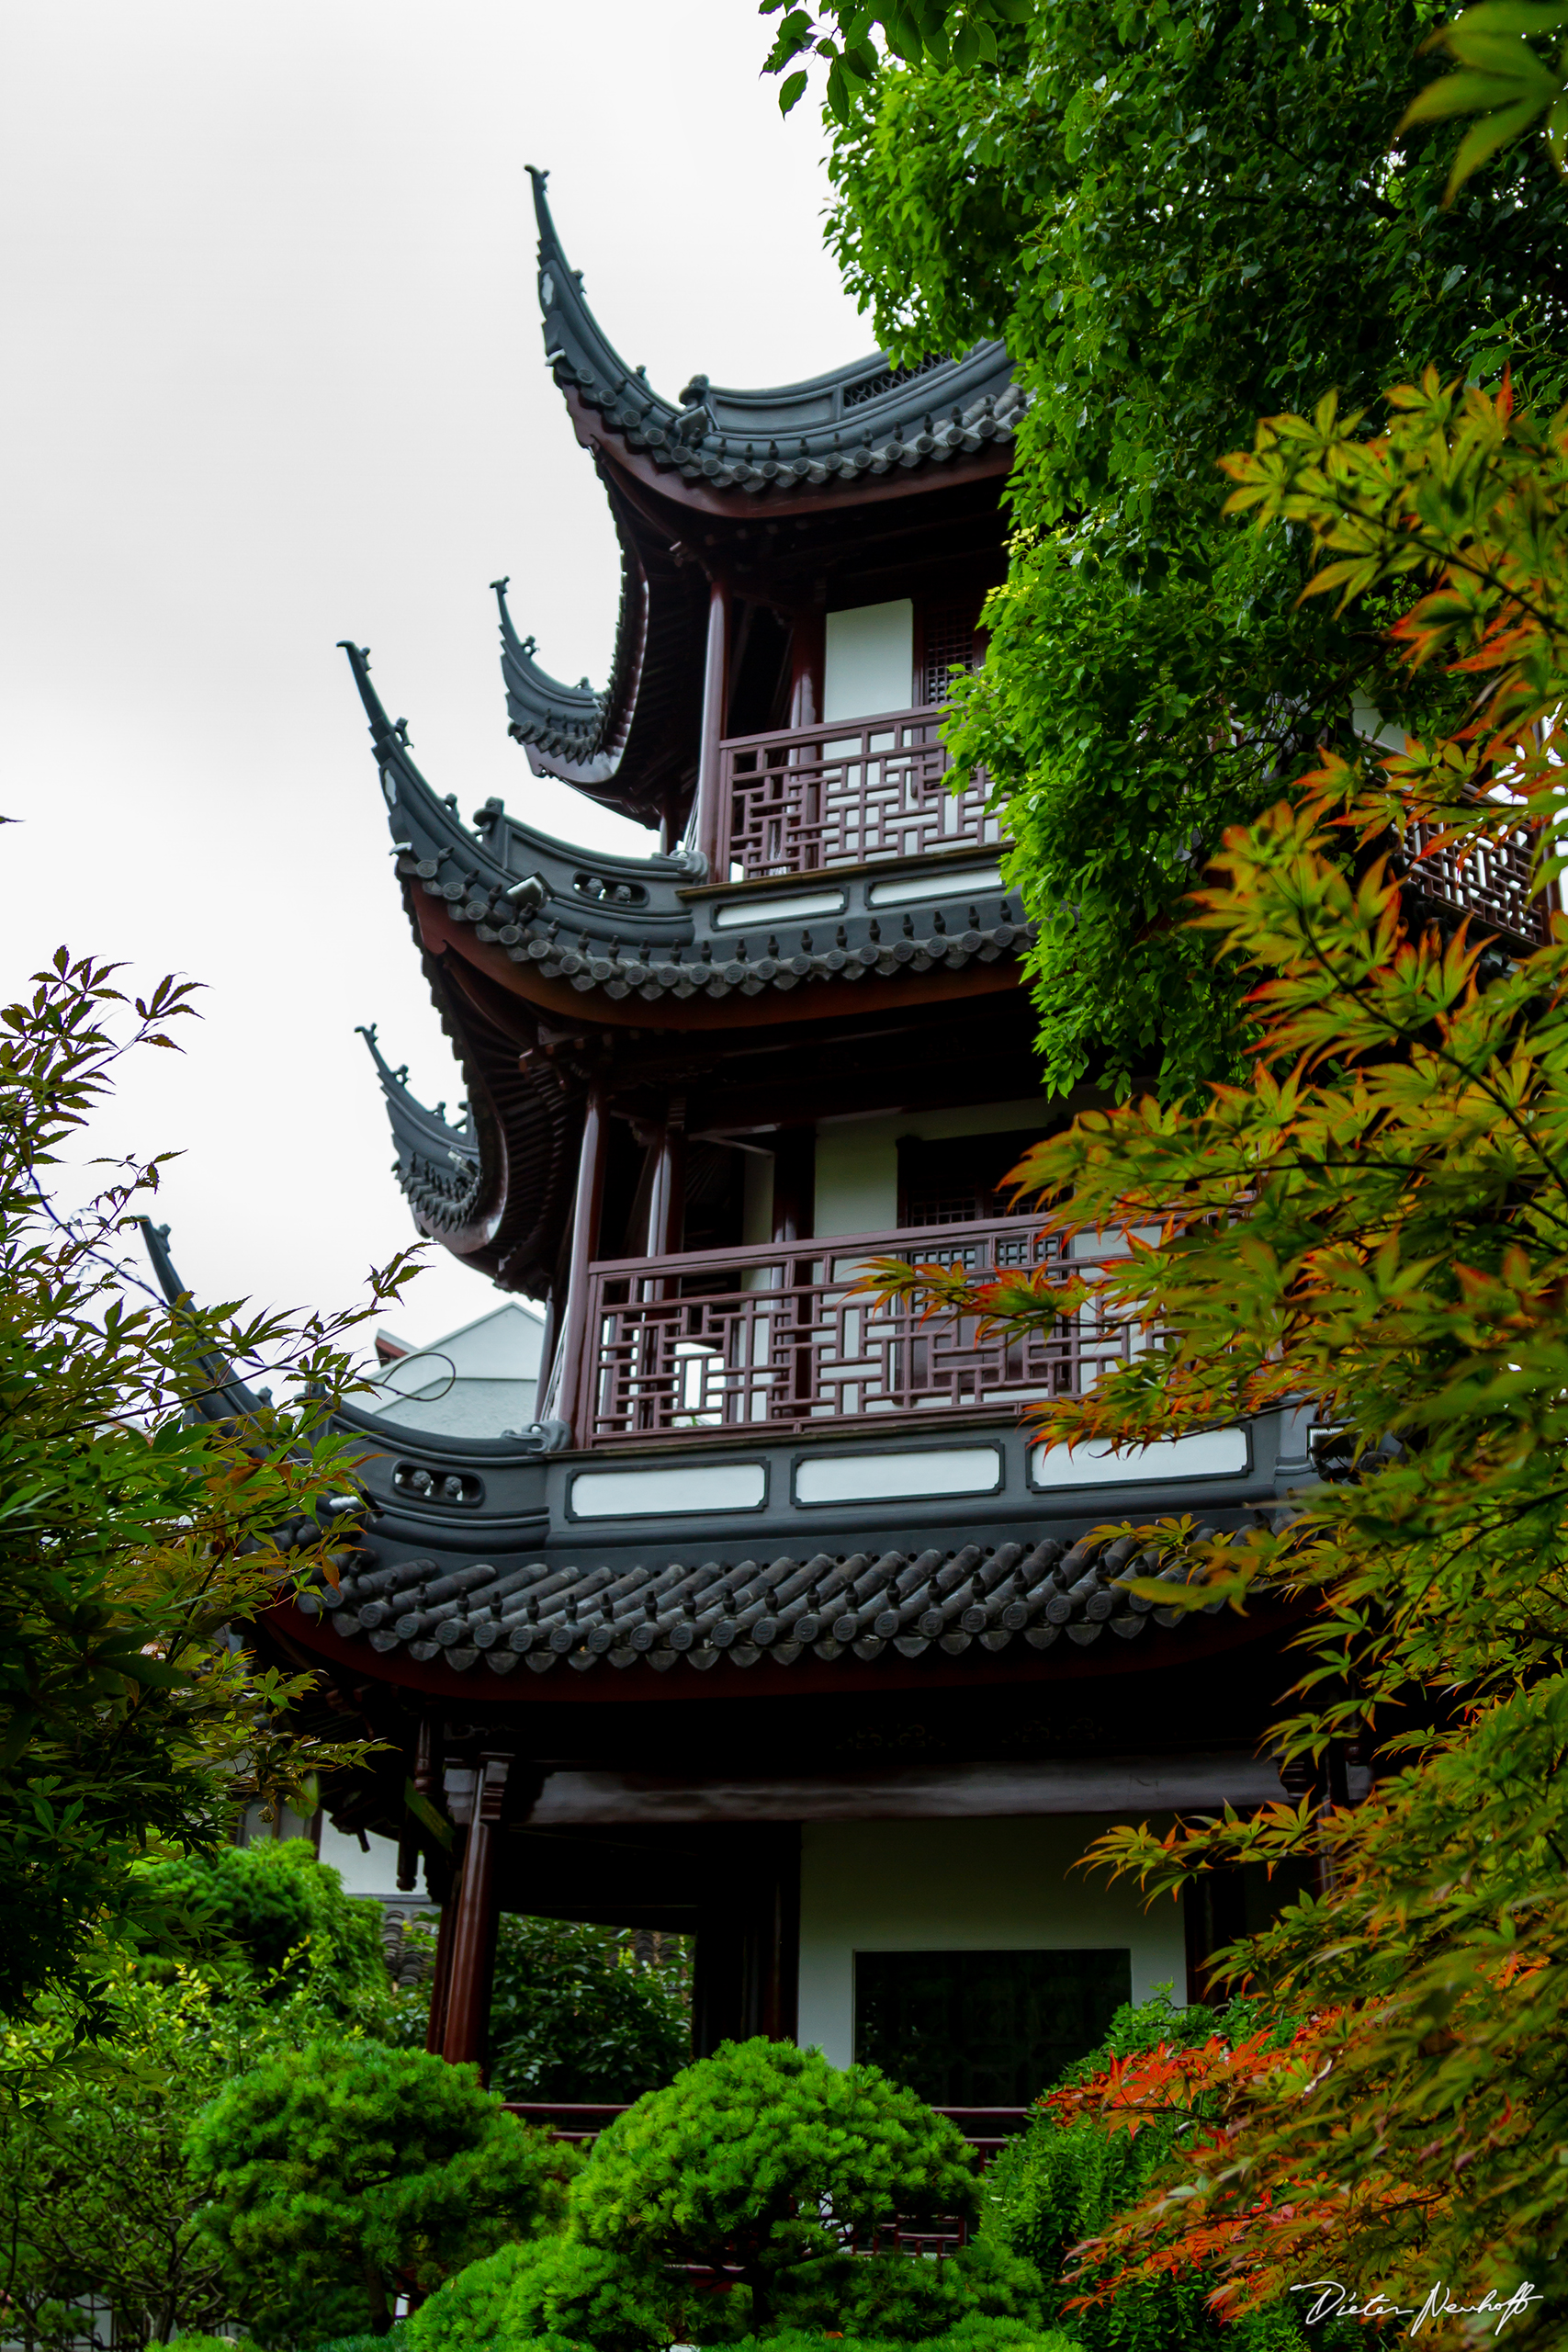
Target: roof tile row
<point x="861" y="1606"/>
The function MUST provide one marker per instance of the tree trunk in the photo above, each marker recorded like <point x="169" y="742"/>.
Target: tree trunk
<point x="376" y="2296"/>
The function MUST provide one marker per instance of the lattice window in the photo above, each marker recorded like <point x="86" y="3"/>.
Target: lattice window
<point x="871" y="387"/>
<point x="952" y="641"/>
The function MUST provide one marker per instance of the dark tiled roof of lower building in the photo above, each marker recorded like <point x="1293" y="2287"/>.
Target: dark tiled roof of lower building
<point x="748" y="1611"/>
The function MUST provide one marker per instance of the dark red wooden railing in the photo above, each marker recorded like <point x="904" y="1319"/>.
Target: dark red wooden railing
<point x="782" y="1335"/>
<point x="851" y="792"/>
<point x="848" y="793"/>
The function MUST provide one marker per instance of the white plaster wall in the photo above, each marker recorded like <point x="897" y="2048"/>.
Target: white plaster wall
<point x="857" y="1160"/>
<point x="997" y="1885"/>
<point x="869" y="660"/>
<point x="375" y="1872"/>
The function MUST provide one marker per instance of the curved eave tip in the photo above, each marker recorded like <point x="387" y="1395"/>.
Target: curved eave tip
<point x="547" y="227"/>
<point x="394" y="1081"/>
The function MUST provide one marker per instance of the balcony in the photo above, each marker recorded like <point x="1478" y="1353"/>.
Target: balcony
<point x="851" y="791"/>
<point x="782" y="1336"/>
<point x="856" y="792"/>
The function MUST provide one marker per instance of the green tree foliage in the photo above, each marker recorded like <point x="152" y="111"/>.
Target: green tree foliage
<point x="277" y="1915"/>
<point x="1372" y="1232"/>
<point x="1502" y="77"/>
<point x="346" y="2157"/>
<point x="1179" y="218"/>
<point x="577" y="2014"/>
<point x="766" y="2157"/>
<point x="94" y="2202"/>
<point x="97" y="2202"/>
<point x="131" y="1537"/>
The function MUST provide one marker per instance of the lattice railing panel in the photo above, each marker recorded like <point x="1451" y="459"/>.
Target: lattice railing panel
<point x="759" y="1337"/>
<point x="1489" y="881"/>
<point x="849" y="793"/>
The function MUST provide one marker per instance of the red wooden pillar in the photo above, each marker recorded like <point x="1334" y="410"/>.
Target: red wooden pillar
<point x="713" y="802"/>
<point x="473" y="1934"/>
<point x="576" y="1383"/>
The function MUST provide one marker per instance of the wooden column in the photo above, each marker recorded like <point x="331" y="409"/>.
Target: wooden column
<point x="421" y="1780"/>
<point x="548" y="1333"/>
<point x="807" y="648"/>
<point x="745" y="1979"/>
<point x="435" y="2032"/>
<point x="794" y="1184"/>
<point x="473" y="1935"/>
<point x="713" y="810"/>
<point x="667" y="1194"/>
<point x="575" y="1385"/>
<point x="794" y="1172"/>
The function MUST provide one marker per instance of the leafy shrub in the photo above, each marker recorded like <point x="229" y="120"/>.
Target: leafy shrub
<point x="575" y="2014"/>
<point x="274" y="1912"/>
<point x="554" y="2290"/>
<point x="395" y="2340"/>
<point x="225" y="2344"/>
<point x="914" y="2301"/>
<point x="975" y="2335"/>
<point x="350" y="2160"/>
<point x="766" y="2157"/>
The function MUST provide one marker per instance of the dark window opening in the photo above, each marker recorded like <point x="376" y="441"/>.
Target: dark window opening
<point x="983" y="2028"/>
<point x="759" y="671"/>
<point x="962" y="1180"/>
<point x="714" y="1196"/>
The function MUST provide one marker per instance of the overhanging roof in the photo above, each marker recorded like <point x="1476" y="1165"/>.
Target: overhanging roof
<point x="854" y="422"/>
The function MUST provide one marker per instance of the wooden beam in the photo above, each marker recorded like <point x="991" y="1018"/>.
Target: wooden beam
<point x="1110" y="1784"/>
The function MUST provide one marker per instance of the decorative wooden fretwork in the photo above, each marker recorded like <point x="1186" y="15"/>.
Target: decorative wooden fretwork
<point x="1490" y="881"/>
<point x="760" y="1337"/>
<point x="848" y="793"/>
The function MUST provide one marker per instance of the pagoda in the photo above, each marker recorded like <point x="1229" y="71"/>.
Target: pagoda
<point x="775" y="1625"/>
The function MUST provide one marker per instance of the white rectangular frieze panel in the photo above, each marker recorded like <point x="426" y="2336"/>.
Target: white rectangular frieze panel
<point x="740" y="914"/>
<point x="659" y="1494"/>
<point x="895" y="1477"/>
<point x="1210" y="1454"/>
<point x="967" y="882"/>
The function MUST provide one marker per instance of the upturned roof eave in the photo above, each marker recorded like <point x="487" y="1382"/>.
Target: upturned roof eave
<point x="842" y="438"/>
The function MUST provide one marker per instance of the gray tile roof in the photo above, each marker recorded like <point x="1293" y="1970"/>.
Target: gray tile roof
<point x="628" y="926"/>
<point x="865" y="420"/>
<point x="510" y="1612"/>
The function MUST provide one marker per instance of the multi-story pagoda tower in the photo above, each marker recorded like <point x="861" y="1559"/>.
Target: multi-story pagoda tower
<point x="776" y="1625"/>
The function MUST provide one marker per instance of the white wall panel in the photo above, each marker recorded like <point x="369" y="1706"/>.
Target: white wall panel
<point x="988" y="1886"/>
<point x="869" y="660"/>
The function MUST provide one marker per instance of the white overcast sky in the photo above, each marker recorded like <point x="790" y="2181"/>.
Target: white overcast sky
<point x="273" y="378"/>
